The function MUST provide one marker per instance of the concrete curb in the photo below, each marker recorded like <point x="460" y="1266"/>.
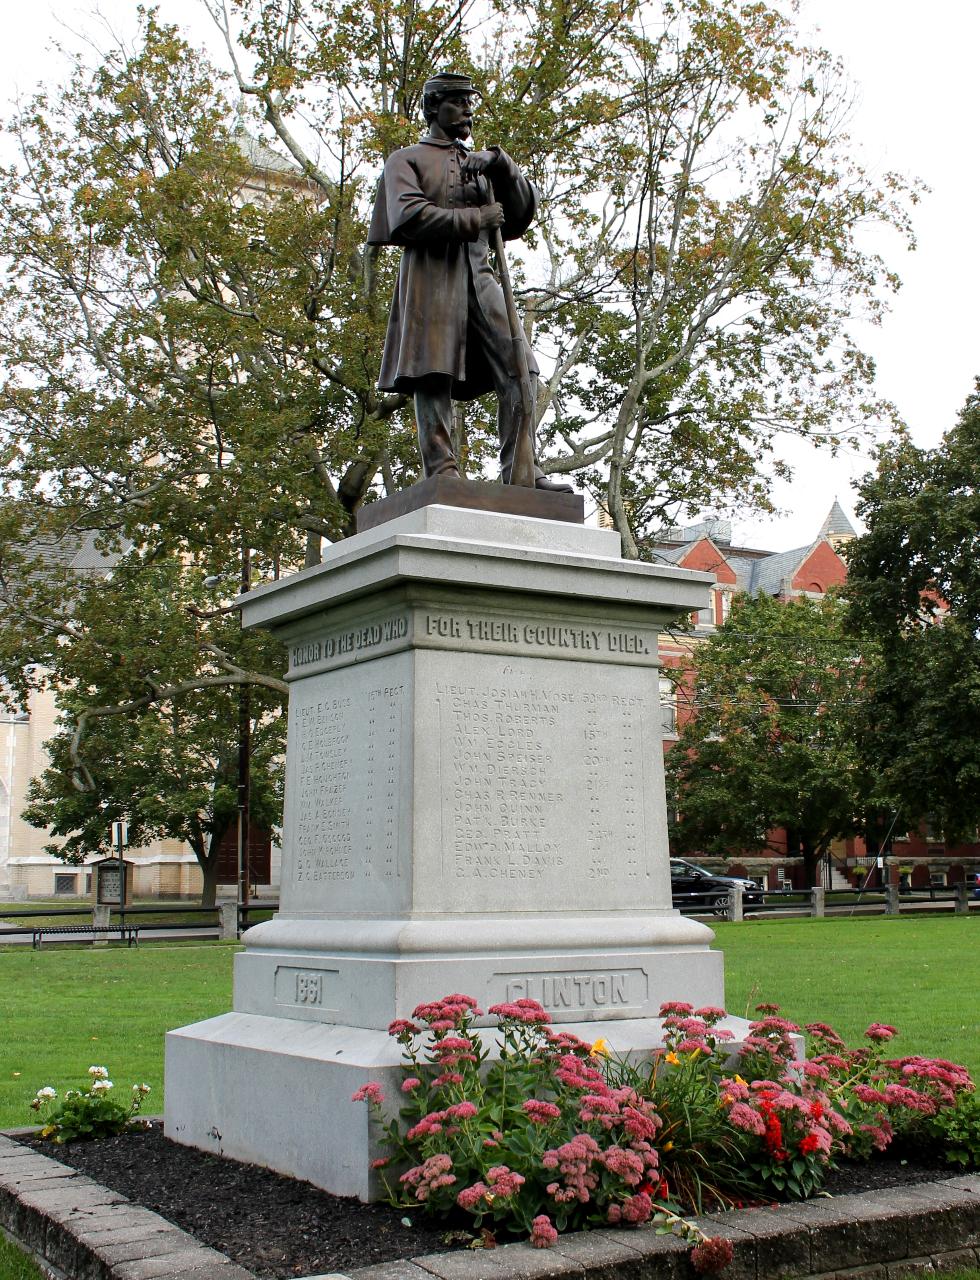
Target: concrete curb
<point x="87" y="1232"/>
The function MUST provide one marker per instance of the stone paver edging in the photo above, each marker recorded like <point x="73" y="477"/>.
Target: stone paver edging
<point x="90" y="1233"/>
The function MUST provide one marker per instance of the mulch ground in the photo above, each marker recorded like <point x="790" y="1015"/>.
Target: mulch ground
<point x="277" y="1226"/>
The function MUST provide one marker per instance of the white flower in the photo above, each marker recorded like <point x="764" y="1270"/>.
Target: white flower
<point x="46" y="1092"/>
<point x="141" y="1088"/>
<point x="71" y="1093"/>
<point x="101" y="1086"/>
<point x="100" y="1073"/>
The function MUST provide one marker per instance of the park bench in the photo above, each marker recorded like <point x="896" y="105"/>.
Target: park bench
<point x="85" y="932"/>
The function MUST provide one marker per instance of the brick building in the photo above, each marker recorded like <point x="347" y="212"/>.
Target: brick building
<point x="916" y="856"/>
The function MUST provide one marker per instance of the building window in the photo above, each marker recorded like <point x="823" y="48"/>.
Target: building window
<point x="724" y="605"/>
<point x="668" y="708"/>
<point x="65" y="884"/>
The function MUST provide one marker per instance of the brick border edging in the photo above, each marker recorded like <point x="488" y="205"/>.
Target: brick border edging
<point x="92" y="1233"/>
<point x="876" y="1235"/>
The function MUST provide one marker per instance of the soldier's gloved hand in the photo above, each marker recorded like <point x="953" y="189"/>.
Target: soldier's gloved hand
<point x="475" y="162"/>
<point x="491" y="215"/>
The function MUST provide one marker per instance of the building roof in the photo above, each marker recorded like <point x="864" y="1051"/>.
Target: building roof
<point x="262" y="158"/>
<point x="76" y="551"/>
<point x="837" y="524"/>
<point x="756" y="571"/>
<point x="713" y="527"/>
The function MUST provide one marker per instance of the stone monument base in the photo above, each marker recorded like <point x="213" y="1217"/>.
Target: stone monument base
<point x="474" y="803"/>
<point x="277" y="1091"/>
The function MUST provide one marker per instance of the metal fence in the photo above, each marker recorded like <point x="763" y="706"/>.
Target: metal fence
<point x="132" y="925"/>
<point x="889" y="901"/>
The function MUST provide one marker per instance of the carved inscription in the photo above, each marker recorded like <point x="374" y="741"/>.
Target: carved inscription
<point x="529" y="637"/>
<point x="353" y="641"/>
<point x="347" y="754"/>
<point x="513" y="809"/>
<point x="600" y="989"/>
<point x="321" y="835"/>
<point x="306" y="988"/>
<point x="499" y="752"/>
<point x="535" y="635"/>
<point x="309" y="988"/>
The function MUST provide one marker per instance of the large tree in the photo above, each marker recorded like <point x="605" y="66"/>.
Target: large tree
<point x="914" y="586"/>
<point x="191" y="325"/>
<point x="771" y="740"/>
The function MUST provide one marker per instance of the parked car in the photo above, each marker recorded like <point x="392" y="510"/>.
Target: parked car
<point x="694" y="886"/>
<point x="973" y="880"/>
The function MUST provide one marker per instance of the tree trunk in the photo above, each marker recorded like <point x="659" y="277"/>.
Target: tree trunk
<point x="209" y="867"/>
<point x="811" y="863"/>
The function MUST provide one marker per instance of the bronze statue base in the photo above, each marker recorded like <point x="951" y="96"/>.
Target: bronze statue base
<point x="452" y="491"/>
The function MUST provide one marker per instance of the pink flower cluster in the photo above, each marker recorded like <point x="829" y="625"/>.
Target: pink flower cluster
<point x="403" y="1030"/>
<point x="880" y="1032"/>
<point x="429" y="1176"/>
<point x="580" y="1162"/>
<point x="540" y="1112"/>
<point x="449" y="1051"/>
<point x="634" y="1209"/>
<point x="503" y="1182"/>
<point x="527" y="1011"/>
<point x="942" y="1080"/>
<point x="788" y="1123"/>
<point x="448" y="1013"/>
<point x="564" y="1042"/>
<point x="441" y="1121"/>
<point x="894" y="1093"/>
<point x="370" y="1092"/>
<point x="543" y="1234"/>
<point x="768" y="1046"/>
<point x="690" y="1030"/>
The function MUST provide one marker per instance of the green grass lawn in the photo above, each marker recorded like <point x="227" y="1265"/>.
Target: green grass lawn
<point x="68" y="1008"/>
<point x="918" y="973"/>
<point x="15" y="1265"/>
<point x="64" y="1009"/>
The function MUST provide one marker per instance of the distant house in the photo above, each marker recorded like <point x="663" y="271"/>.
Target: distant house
<point x="917" y="856"/>
<point x="166" y="867"/>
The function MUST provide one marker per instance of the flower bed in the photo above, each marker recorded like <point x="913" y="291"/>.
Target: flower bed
<point x="551" y="1134"/>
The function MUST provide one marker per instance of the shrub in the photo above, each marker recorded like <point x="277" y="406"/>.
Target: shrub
<point x="955" y="1131"/>
<point x="550" y="1133"/>
<point x="90" y="1112"/>
<point x="535" y="1142"/>
<point x="701" y="1156"/>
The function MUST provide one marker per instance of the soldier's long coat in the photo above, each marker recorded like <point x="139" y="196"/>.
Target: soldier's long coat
<point x="423" y="205"/>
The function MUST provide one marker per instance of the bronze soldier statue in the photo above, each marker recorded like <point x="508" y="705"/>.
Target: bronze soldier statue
<point x="448" y="333"/>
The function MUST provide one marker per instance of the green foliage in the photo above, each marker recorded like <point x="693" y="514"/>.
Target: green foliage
<point x="191" y="325"/>
<point x="93" y="1111"/>
<point x="508" y="1140"/>
<point x="771" y="742"/>
<point x="955" y="1131"/>
<point x="914" y="587"/>
<point x="700" y="1157"/>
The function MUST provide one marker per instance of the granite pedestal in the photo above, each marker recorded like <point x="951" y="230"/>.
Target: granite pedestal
<point x="474" y="802"/>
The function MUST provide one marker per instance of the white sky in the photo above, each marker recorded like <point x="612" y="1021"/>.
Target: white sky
<point x="916" y="113"/>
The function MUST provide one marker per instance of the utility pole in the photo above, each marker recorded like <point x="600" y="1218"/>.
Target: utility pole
<point x="244" y="765"/>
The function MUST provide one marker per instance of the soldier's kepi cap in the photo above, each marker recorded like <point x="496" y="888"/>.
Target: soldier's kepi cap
<point x="446" y="82"/>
